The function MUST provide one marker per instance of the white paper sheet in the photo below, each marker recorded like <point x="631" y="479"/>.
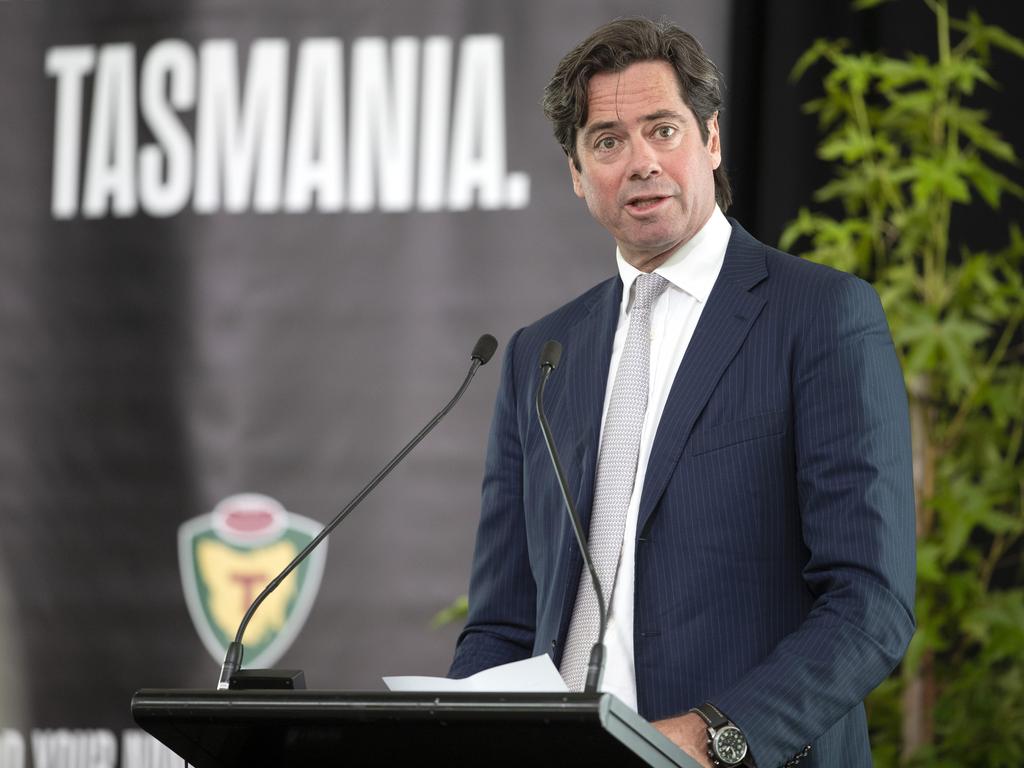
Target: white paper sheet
<point x="536" y="675"/>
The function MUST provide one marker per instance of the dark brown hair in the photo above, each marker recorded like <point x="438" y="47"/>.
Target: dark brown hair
<point x="614" y="47"/>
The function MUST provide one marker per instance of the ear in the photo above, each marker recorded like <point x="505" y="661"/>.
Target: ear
<point x="714" y="141"/>
<point x="577" y="182"/>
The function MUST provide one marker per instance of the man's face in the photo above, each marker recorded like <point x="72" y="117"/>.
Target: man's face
<point x="645" y="173"/>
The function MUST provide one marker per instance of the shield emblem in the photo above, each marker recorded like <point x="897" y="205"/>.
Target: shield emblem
<point x="228" y="556"/>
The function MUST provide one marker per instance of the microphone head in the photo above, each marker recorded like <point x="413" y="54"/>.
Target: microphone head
<point x="551" y="354"/>
<point x="484" y="349"/>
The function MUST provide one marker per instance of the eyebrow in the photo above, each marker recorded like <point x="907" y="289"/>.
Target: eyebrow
<point x="604" y="125"/>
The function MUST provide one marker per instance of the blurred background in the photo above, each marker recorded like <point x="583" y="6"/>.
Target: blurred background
<point x="245" y="251"/>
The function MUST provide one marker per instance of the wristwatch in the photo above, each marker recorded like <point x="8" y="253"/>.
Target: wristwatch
<point x="727" y="746"/>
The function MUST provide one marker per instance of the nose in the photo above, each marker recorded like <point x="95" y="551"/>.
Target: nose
<point x="644" y="163"/>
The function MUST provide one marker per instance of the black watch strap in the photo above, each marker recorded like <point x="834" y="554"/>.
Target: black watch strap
<point x="711" y="715"/>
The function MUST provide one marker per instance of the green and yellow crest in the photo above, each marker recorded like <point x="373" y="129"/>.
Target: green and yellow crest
<point x="228" y="556"/>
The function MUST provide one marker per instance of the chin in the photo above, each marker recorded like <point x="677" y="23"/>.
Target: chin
<point x="657" y="246"/>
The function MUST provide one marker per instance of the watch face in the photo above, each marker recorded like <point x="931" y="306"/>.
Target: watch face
<point x="730" y="745"/>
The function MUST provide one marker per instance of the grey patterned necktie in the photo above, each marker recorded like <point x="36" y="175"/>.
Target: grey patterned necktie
<point x="616" y="473"/>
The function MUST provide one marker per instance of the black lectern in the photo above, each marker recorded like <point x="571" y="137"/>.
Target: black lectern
<point x="232" y="729"/>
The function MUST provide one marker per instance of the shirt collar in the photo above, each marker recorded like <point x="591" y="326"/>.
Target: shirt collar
<point x="693" y="267"/>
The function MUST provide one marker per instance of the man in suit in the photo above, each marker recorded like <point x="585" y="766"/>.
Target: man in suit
<point x="734" y="426"/>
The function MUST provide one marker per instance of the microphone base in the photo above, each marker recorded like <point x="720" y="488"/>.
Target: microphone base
<point x="595" y="668"/>
<point x="268" y="680"/>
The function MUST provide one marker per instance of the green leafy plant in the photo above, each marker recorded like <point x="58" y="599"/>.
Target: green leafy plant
<point x="455" y="611"/>
<point x="907" y="150"/>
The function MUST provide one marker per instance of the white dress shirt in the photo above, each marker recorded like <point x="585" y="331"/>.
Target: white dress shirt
<point x="691" y="273"/>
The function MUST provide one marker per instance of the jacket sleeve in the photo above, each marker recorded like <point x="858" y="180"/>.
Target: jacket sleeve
<point x="856" y="499"/>
<point x="502" y="592"/>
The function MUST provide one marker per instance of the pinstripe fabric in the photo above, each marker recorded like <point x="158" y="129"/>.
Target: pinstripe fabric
<point x="775" y="548"/>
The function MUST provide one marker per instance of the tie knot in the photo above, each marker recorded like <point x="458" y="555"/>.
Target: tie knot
<point x="648" y="287"/>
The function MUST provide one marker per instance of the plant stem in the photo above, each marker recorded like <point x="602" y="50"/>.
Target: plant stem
<point x="875" y="203"/>
<point x="918" y="698"/>
<point x="952" y="142"/>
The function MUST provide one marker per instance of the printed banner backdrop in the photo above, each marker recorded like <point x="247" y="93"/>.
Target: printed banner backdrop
<point x="245" y="251"/>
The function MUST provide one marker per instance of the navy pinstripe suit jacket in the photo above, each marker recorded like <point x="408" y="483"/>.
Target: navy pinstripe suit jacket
<point x="775" y="544"/>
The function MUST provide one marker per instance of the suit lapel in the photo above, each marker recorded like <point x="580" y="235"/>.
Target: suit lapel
<point x="588" y="348"/>
<point x="578" y="394"/>
<point x="724" y="324"/>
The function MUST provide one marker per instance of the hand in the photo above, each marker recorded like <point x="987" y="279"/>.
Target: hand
<point x="690" y="733"/>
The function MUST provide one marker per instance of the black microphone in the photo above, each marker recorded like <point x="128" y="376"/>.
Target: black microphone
<point x="482" y="352"/>
<point x="550" y="356"/>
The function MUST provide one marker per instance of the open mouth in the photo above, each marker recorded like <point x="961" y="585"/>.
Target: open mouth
<point x="641" y="204"/>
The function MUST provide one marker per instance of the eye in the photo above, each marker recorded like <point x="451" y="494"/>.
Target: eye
<point x="606" y="143"/>
<point x="665" y="131"/>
